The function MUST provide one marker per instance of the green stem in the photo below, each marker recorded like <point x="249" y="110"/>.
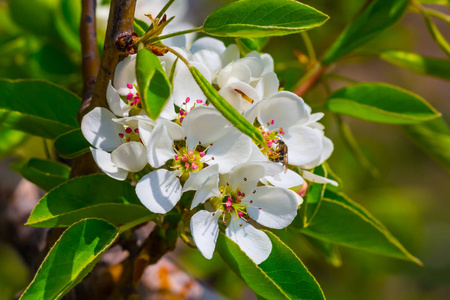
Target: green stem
<point x="179" y="56"/>
<point x="165" y="8"/>
<point x="309" y="46"/>
<point x="162" y="37"/>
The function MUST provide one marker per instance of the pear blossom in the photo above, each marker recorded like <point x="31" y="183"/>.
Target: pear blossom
<point x="234" y="199"/>
<point x="209" y="144"/>
<point x="117" y="145"/>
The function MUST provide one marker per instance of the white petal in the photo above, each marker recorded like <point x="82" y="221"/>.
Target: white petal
<point x="272" y="206"/>
<point x="315" y="117"/>
<point x="208" y="43"/>
<point x="326" y="150"/>
<point x="210" y="59"/>
<point x="100" y="130"/>
<point x="248" y="91"/>
<point x="268" y="63"/>
<point x="115" y="103"/>
<point x="316" y="178"/>
<point x="159" y="190"/>
<point x="160" y="148"/>
<point x="232" y="97"/>
<point x="125" y="73"/>
<point x="208" y="189"/>
<point x="231" y="54"/>
<point x="268" y="85"/>
<point x="205" y="230"/>
<point x="195" y="180"/>
<point x="246" y="176"/>
<point x="256" y="154"/>
<point x="130" y="156"/>
<point x="231" y="150"/>
<point x="176" y="131"/>
<point x="285" y="108"/>
<point x="255" y="243"/>
<point x="184" y="85"/>
<point x="235" y="71"/>
<point x="104" y="162"/>
<point x="304" y="145"/>
<point x="285" y="180"/>
<point x="204" y="124"/>
<point x="255" y="65"/>
<point x="145" y="131"/>
<point x="168" y="111"/>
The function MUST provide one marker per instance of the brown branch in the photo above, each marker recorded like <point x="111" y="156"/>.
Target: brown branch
<point x="96" y="76"/>
<point x="310" y="82"/>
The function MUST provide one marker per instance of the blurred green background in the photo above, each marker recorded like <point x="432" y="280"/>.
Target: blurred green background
<point x="38" y="39"/>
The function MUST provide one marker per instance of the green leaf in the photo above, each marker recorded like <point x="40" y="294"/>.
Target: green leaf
<point x="344" y="222"/>
<point x="281" y="276"/>
<point x="314" y="196"/>
<point x="226" y="109"/>
<point x="93" y="196"/>
<point x="433" y="137"/>
<point x="67" y="23"/>
<point x="140" y="27"/>
<point x="71" y="258"/>
<point x="46" y="174"/>
<point x="71" y="144"/>
<point x="247" y="45"/>
<point x="10" y="139"/>
<point x="430" y="66"/>
<point x="329" y="251"/>
<point x="378" y="16"/>
<point x="380" y="102"/>
<point x="154" y="86"/>
<point x="249" y="18"/>
<point x="436" y="34"/>
<point x="38" y="107"/>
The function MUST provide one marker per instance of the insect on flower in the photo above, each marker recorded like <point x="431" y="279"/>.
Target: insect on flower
<point x="280" y="154"/>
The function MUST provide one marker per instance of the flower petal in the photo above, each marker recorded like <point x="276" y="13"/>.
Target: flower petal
<point x="210" y="59"/>
<point x="246" y="176"/>
<point x="272" y="206"/>
<point x="176" y="132"/>
<point x="327" y="149"/>
<point x="115" y="103"/>
<point x="251" y="95"/>
<point x="285" y="108"/>
<point x="204" y="124"/>
<point x="256" y="154"/>
<point x="255" y="243"/>
<point x="316" y="178"/>
<point x="160" y="148"/>
<point x="205" y="230"/>
<point x="184" y="85"/>
<point x="285" y="180"/>
<point x="304" y="145"/>
<point x="195" y="180"/>
<point x="208" y="43"/>
<point x="100" y="130"/>
<point x="231" y="150"/>
<point x="104" y="162"/>
<point x="208" y="189"/>
<point x="125" y="73"/>
<point x="130" y="156"/>
<point x="231" y="54"/>
<point x="235" y="71"/>
<point x="159" y="190"/>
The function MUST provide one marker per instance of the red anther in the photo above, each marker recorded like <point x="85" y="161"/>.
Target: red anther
<point x="128" y="130"/>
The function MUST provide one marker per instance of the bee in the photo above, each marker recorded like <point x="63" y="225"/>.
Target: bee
<point x="280" y="154"/>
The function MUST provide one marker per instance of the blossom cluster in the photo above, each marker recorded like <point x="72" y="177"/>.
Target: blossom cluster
<point x="238" y="184"/>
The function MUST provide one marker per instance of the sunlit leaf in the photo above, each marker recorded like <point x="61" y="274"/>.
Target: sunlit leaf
<point x="71" y="258"/>
<point x="247" y="45"/>
<point x="38" y="107"/>
<point x="344" y="222"/>
<point x="249" y="18"/>
<point x="71" y="144"/>
<point x="376" y="17"/>
<point x="380" y="102"/>
<point x="90" y="196"/>
<point x="154" y="86"/>
<point x="10" y="139"/>
<point x="225" y="108"/>
<point x="430" y="66"/>
<point x="281" y="276"/>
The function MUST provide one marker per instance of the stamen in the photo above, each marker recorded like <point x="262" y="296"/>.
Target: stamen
<point x="187" y="100"/>
<point x="129" y="85"/>
<point x="129" y="96"/>
<point x="128" y="130"/>
<point x="199" y="101"/>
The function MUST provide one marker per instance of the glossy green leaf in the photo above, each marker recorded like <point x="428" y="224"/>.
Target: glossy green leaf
<point x="154" y="86"/>
<point x="250" y="18"/>
<point x="344" y="222"/>
<point x="71" y="144"/>
<point x="378" y="16"/>
<point x="71" y="258"/>
<point x="281" y="276"/>
<point x="10" y="139"/>
<point x="140" y="27"/>
<point x="38" y="107"/>
<point x="436" y="34"/>
<point x="433" y="137"/>
<point x="93" y="196"/>
<point x="225" y="108"/>
<point x="314" y="196"/>
<point x="380" y="102"/>
<point x="247" y="45"/>
<point x="46" y="174"/>
<point x="430" y="66"/>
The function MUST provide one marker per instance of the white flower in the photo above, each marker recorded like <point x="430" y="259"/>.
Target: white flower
<point x="206" y="138"/>
<point x="234" y="200"/>
<point x="118" y="148"/>
<point x="248" y="80"/>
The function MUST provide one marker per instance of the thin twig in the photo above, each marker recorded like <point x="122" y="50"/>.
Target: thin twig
<point x="310" y="80"/>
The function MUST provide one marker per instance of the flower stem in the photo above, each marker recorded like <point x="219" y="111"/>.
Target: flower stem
<point x="162" y="37"/>
<point x="309" y="47"/>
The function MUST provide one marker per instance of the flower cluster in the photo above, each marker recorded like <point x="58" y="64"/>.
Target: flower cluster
<point x="238" y="184"/>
